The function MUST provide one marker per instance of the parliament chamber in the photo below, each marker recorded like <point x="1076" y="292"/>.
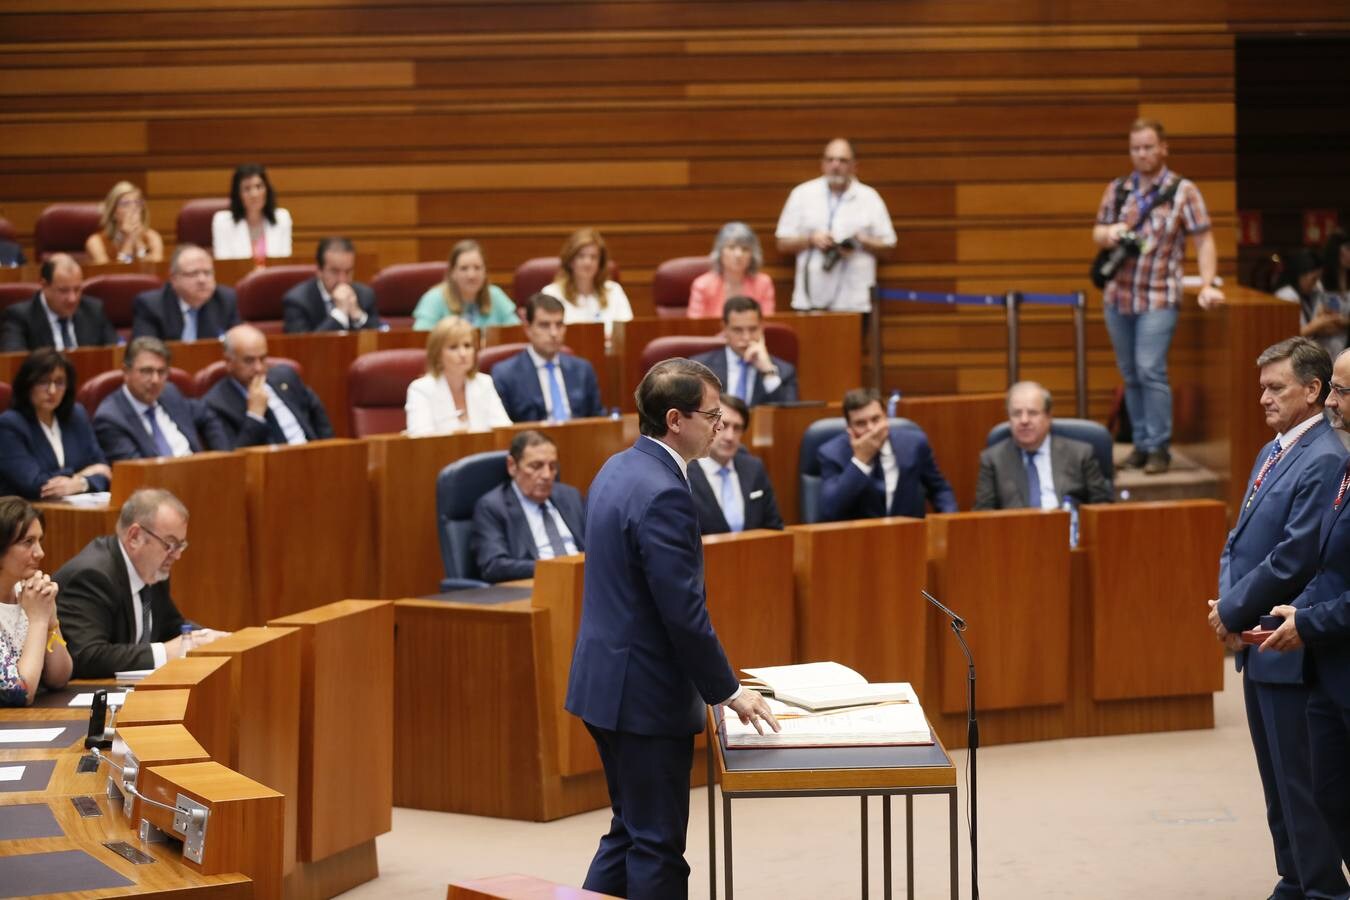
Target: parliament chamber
<point x="350" y="686"/>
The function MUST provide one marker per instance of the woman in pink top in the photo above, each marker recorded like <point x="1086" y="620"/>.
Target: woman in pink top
<point x="736" y="258"/>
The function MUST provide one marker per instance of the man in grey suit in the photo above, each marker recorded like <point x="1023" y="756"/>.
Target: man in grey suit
<point x="1033" y="468"/>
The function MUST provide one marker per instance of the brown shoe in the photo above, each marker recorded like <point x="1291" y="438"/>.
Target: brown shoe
<point x="1158" y="462"/>
<point x="1135" y="460"/>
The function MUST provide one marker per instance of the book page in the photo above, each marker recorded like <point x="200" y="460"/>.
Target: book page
<point x="806" y="675"/>
<point x="887" y="723"/>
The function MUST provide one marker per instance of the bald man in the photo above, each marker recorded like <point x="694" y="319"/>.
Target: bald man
<point x="58" y="315"/>
<point x="259" y="404"/>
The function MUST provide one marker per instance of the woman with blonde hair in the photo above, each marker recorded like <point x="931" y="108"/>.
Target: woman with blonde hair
<point x="583" y="284"/>
<point x="465" y="293"/>
<point x="736" y="259"/>
<point x="124" y="233"/>
<point x="453" y="395"/>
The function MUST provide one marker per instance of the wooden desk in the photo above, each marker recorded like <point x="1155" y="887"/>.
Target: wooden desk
<point x="750" y="596"/>
<point x="211" y="699"/>
<point x="957" y="426"/>
<point x="325" y="357"/>
<point x="69" y="528"/>
<point x="309" y="525"/>
<point x="211" y="582"/>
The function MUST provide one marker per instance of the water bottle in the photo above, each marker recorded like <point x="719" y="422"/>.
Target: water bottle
<point x="184" y="638"/>
<point x="1070" y="507"/>
<point x="893" y="404"/>
<point x="614" y="414"/>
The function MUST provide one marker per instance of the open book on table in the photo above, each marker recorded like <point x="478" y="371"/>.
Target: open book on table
<point x="824" y="685"/>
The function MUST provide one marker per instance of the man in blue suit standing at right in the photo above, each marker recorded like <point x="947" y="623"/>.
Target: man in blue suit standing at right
<point x="647" y="660"/>
<point x="1269" y="557"/>
<point x="874" y="469"/>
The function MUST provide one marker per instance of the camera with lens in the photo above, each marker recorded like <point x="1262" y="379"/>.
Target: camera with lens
<point x="1110" y="259"/>
<point x="835" y="252"/>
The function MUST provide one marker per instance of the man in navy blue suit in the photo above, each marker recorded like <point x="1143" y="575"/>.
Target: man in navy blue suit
<point x="744" y="364"/>
<point x="529" y="517"/>
<point x="1268" y="559"/>
<point x="1319" y="622"/>
<point x="731" y="488"/>
<point x="541" y="383"/>
<point x="332" y="300"/>
<point x="148" y="416"/>
<point x="874" y="469"/>
<point x="191" y="306"/>
<point x="647" y="660"/>
<point x="261" y="404"/>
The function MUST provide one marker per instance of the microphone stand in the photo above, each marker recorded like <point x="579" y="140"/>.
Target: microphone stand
<point x="972" y="741"/>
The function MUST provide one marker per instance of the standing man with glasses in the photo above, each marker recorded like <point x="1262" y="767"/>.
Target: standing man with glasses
<point x="647" y="661"/>
<point x="114" y="604"/>
<point x="542" y="383"/>
<point x="744" y="365"/>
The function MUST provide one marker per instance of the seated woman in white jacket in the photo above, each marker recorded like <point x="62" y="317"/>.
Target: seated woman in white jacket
<point x="453" y="395"/>
<point x="254" y="226"/>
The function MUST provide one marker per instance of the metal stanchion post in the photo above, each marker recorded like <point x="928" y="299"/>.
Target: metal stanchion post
<point x="874" y="336"/>
<point x="1080" y="353"/>
<point x="1011" y="301"/>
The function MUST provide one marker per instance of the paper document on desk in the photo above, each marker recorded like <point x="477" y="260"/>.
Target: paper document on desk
<point x="824" y="685"/>
<point x="880" y="725"/>
<point x="90" y="499"/>
<point x="11" y="773"/>
<point x="115" y="699"/>
<point x="29" y="735"/>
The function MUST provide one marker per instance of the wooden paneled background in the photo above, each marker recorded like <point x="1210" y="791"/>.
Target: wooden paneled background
<point x="989" y="126"/>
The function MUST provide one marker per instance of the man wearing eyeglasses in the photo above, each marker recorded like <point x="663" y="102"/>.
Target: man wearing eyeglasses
<point x="1268" y="559"/>
<point x="114" y="604"/>
<point x="148" y="416"/>
<point x="191" y="307"/>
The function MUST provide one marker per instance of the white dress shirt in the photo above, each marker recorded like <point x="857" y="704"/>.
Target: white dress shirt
<point x="890" y="468"/>
<point x="541" y="369"/>
<point x="137" y="584"/>
<point x="534" y="517"/>
<point x="712" y="470"/>
<point x="178" y="442"/>
<point x="53" y="436"/>
<point x="812" y="206"/>
<point x="430" y="407"/>
<point x="771" y="382"/>
<point x="290" y="425"/>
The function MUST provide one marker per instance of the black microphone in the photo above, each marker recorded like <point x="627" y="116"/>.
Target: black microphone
<point x="959" y="622"/>
<point x="98" y="721"/>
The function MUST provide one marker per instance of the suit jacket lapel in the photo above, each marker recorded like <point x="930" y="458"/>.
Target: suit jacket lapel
<point x="516" y="523"/>
<point x="43" y="446"/>
<point x="1012" y="457"/>
<point x="283" y="389"/>
<point x="38" y="324"/>
<point x="135" y="425"/>
<point x="122" y="582"/>
<point x="173" y="315"/>
<point x="703" y="494"/>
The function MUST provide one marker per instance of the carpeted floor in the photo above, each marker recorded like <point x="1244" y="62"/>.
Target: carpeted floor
<point x="1146" y="816"/>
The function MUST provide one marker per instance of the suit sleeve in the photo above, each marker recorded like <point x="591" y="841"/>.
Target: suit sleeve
<point x="248" y="432"/>
<point x="209" y="426"/>
<point x="1324" y="622"/>
<point x="1098" y="488"/>
<point x="840" y="486"/>
<point x="87" y="606"/>
<point x="986" y="486"/>
<point x="672" y="560"/>
<point x="18" y="462"/>
<point x="491" y="547"/>
<point x="786" y="392"/>
<point x="939" y="491"/>
<point x="229" y="300"/>
<point x="114" y="440"/>
<point x="144" y="321"/>
<point x="318" y="416"/>
<point x="592" y="404"/>
<point x="772" y="518"/>
<point x="1291" y="563"/>
<point x="294" y="319"/>
<point x="13" y="336"/>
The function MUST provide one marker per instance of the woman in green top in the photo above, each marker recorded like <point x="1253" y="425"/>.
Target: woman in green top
<point x="465" y="293"/>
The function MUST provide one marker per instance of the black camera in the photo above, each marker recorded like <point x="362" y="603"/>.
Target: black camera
<point x="836" y="251"/>
<point x="1110" y="259"/>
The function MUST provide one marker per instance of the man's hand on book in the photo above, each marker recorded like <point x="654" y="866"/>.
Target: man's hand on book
<point x="754" y="710"/>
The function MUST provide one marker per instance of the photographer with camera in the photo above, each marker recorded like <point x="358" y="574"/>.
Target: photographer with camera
<point x="1142" y="227"/>
<point x="837" y="226"/>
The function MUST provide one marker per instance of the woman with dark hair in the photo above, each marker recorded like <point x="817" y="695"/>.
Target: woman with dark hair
<point x="47" y="446"/>
<point x="1336" y="264"/>
<point x="1321" y="315"/>
<point x="254" y="226"/>
<point x="583" y="283"/>
<point x="736" y="259"/>
<point x="466" y="292"/>
<point x="32" y="651"/>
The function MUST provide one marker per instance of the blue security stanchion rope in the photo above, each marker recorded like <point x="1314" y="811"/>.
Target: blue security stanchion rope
<point x="1075" y="299"/>
<point x="904" y="296"/>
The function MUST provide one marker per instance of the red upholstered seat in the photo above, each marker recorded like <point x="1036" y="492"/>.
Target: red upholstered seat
<point x="93" y="391"/>
<point x="7" y="231"/>
<point x="6" y="395"/>
<point x="118" y="293"/>
<point x="194" y="220"/>
<point x="490" y="356"/>
<point x="261" y="290"/>
<point x="12" y="292"/>
<point x="63" y="228"/>
<point x="532" y="276"/>
<point x="377" y="388"/>
<point x="671" y="282"/>
<point x="206" y="378"/>
<point x="781" y="341"/>
<point x="398" y="288"/>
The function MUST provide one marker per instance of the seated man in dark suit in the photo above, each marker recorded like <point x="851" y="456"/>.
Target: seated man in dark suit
<point x="541" y="383"/>
<point x="115" y="608"/>
<point x="148" y="416"/>
<point x="875" y="469"/>
<point x="744" y="366"/>
<point x="730" y="487"/>
<point x="530" y="517"/>
<point x="1059" y="467"/>
<point x="331" y="300"/>
<point x="57" y="316"/>
<point x="258" y="405"/>
<point x="191" y="307"/>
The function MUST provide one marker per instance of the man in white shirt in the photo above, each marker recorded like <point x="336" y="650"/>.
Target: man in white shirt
<point x="258" y="403"/>
<point x="115" y="609"/>
<point x="837" y="226"/>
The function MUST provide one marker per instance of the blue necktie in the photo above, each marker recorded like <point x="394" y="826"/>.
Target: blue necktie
<point x="745" y="381"/>
<point x="1033" y="483"/>
<point x="67" y="334"/>
<point x="161" y="442"/>
<point x="555" y="393"/>
<point x="190" y="325"/>
<point x="735" y="517"/>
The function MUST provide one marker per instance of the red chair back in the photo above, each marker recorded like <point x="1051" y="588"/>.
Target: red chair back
<point x="532" y="276"/>
<point x="12" y="292"/>
<point x="671" y="282"/>
<point x="490" y="356"/>
<point x="377" y="388"/>
<point x="781" y="341"/>
<point x="260" y="294"/>
<point x="63" y="228"/>
<point x="206" y="377"/>
<point x="118" y="293"/>
<point x="398" y="288"/>
<point x="7" y="231"/>
<point x="194" y="220"/>
<point x="96" y="389"/>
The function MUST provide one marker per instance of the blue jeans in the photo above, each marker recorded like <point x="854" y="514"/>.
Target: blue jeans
<point x="1141" y="342"/>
